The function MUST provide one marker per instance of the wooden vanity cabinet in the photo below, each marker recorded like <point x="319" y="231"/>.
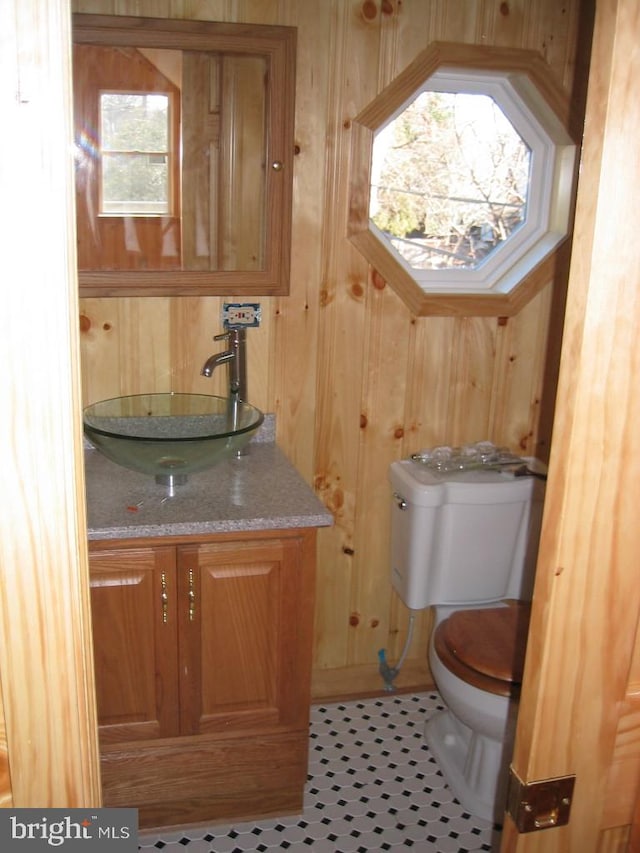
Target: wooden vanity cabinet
<point x="202" y="652"/>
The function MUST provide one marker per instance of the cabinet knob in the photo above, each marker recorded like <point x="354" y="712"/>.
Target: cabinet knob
<point x="192" y="597"/>
<point x="164" y="597"/>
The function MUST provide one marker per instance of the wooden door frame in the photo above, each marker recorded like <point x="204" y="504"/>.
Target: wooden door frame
<point x="48" y="730"/>
<point x="587" y="596"/>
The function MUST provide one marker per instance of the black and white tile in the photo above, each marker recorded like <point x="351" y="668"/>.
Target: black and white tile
<point x="372" y="786"/>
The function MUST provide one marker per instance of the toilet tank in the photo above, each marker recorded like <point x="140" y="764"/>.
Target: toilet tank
<point x="462" y="537"/>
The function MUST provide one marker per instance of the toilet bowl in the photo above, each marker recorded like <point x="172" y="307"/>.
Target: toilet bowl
<point x="466" y="543"/>
<point x="476" y="658"/>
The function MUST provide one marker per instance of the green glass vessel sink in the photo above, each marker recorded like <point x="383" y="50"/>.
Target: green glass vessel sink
<point x="170" y="435"/>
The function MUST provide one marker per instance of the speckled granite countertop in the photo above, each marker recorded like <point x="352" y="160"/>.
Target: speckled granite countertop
<point x="259" y="491"/>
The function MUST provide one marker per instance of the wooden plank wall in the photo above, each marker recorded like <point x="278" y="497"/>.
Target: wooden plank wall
<point x="355" y="381"/>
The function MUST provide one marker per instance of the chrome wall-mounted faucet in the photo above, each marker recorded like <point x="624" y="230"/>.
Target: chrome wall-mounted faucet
<point x="236" y="357"/>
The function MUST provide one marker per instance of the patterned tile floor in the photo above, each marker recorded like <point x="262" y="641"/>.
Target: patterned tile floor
<point x="373" y="786"/>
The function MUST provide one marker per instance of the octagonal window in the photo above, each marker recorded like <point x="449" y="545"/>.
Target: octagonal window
<point x="469" y="183"/>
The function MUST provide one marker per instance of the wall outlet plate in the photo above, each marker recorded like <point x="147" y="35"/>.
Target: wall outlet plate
<point x="240" y="315"/>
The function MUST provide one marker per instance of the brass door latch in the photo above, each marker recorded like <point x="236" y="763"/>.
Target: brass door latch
<point x="539" y="805"/>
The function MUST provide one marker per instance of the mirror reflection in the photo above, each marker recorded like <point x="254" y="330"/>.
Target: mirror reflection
<point x="170" y="158"/>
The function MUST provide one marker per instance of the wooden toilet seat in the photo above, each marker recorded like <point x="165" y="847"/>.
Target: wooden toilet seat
<point x="486" y="647"/>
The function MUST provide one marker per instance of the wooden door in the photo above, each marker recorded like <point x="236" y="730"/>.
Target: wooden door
<point x="134" y="613"/>
<point x="580" y="707"/>
<point x="245" y="639"/>
<point x="48" y="735"/>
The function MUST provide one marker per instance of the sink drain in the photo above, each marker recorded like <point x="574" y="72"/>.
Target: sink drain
<point x="171" y="480"/>
<point x="171" y="462"/>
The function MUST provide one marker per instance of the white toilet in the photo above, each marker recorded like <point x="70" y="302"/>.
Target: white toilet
<point x="466" y="542"/>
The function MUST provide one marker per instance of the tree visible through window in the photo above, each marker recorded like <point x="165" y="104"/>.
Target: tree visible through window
<point x="135" y="153"/>
<point x="462" y="178"/>
<point x="450" y="178"/>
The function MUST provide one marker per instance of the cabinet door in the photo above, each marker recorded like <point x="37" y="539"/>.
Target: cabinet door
<point x="245" y="641"/>
<point x="133" y="601"/>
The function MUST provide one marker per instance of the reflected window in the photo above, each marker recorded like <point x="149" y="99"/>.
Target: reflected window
<point x="135" y="153"/>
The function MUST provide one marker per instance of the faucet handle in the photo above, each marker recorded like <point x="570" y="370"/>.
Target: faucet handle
<point x="233" y="334"/>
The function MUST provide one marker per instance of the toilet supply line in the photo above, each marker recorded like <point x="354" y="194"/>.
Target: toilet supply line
<point x="389" y="673"/>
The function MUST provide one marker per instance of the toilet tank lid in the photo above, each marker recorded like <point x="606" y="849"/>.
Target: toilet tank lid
<point x="425" y="487"/>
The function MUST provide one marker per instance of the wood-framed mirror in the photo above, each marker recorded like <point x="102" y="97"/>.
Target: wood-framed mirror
<point x="184" y="156"/>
